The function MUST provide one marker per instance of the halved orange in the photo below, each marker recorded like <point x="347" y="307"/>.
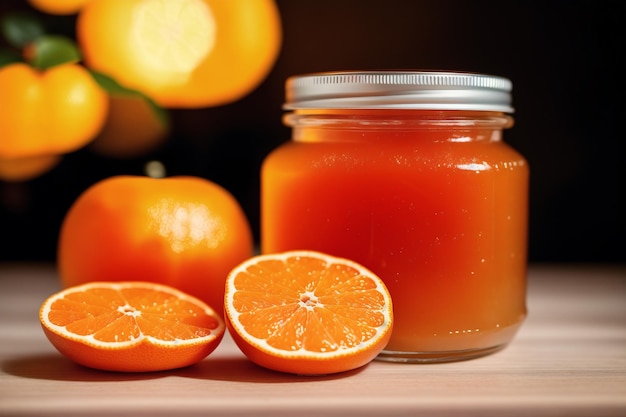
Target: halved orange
<point x="130" y="326"/>
<point x="307" y="313"/>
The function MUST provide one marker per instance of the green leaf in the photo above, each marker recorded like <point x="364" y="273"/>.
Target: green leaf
<point x="112" y="87"/>
<point x="52" y="50"/>
<point x="161" y="114"/>
<point x="20" y="29"/>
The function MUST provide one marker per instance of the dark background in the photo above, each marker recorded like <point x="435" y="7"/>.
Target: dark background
<point x="564" y="58"/>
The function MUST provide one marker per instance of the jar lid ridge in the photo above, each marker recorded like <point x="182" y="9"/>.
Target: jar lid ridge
<point x="432" y="90"/>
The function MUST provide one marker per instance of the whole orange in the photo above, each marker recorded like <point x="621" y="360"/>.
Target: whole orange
<point x="185" y="232"/>
<point x="55" y="111"/>
<point x="182" y="53"/>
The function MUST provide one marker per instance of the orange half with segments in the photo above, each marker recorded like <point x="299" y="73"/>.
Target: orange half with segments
<point x="307" y="313"/>
<point x="130" y="326"/>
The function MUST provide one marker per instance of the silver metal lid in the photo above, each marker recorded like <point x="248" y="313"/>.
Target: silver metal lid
<point x="421" y="90"/>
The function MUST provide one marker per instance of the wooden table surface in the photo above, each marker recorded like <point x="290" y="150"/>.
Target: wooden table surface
<point x="569" y="359"/>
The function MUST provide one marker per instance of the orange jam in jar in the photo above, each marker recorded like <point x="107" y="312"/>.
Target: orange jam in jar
<point x="406" y="173"/>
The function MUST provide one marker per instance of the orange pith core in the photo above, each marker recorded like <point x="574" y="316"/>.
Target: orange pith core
<point x="314" y="307"/>
<point x="128" y="315"/>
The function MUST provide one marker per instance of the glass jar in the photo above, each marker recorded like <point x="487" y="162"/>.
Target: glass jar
<point x="406" y="173"/>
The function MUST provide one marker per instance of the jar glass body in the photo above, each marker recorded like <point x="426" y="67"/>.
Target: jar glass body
<point x="434" y="202"/>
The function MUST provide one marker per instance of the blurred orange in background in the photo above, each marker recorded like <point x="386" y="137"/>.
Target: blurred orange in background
<point x="132" y="129"/>
<point x="48" y="112"/>
<point x="183" y="53"/>
<point x="59" y="7"/>
<point x="24" y="169"/>
<point x="168" y="53"/>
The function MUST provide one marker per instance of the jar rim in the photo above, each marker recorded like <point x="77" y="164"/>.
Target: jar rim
<point x="404" y="89"/>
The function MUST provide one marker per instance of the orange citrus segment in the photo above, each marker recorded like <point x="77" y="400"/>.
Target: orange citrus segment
<point x="307" y="313"/>
<point x="130" y="326"/>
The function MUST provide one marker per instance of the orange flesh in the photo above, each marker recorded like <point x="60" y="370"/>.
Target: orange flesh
<point x="311" y="308"/>
<point x="439" y="215"/>
<point x="124" y="315"/>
